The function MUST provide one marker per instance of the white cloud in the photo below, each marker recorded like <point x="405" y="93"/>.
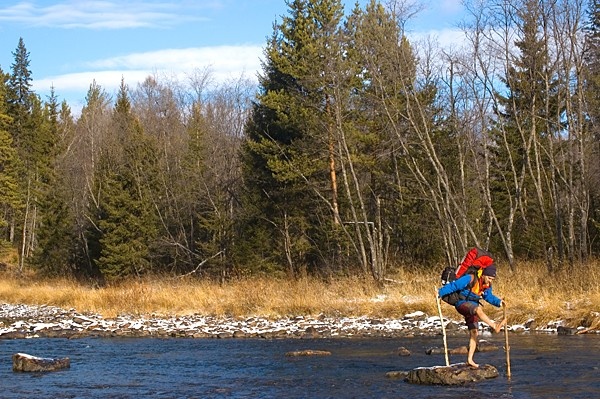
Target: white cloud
<point x="98" y="14"/>
<point x="224" y="58"/>
<point x="81" y="81"/>
<point x="452" y="6"/>
<point x="445" y="38"/>
<point x="224" y="62"/>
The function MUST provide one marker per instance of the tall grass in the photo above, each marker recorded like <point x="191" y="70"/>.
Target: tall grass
<point x="531" y="293"/>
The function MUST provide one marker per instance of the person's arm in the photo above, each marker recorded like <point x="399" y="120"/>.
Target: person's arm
<point x="490" y="298"/>
<point x="456" y="285"/>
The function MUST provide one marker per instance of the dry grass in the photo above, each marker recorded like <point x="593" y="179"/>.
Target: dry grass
<point x="571" y="295"/>
<point x="530" y="293"/>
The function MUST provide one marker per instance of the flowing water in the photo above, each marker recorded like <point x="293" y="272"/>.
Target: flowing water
<point x="543" y="366"/>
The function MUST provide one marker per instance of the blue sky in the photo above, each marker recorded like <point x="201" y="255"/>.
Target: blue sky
<point x="73" y="42"/>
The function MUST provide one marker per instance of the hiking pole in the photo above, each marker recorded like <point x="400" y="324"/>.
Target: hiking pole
<point x="437" y="300"/>
<point x="506" y="346"/>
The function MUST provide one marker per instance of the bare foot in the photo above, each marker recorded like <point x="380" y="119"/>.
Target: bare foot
<point x="472" y="364"/>
<point x="498" y="326"/>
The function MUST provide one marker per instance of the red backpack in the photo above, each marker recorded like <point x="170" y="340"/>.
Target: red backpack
<point x="474" y="262"/>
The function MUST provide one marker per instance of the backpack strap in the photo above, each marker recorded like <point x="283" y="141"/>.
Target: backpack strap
<point x="474" y="276"/>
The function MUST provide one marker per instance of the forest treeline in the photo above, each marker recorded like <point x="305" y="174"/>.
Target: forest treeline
<point x="359" y="151"/>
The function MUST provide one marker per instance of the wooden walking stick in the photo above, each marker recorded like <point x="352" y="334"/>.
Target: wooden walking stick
<point x="506" y="346"/>
<point x="437" y="300"/>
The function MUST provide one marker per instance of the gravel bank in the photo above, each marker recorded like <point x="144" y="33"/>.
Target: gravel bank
<point x="24" y="321"/>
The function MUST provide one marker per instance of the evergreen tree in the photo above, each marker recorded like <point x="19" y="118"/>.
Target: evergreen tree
<point x="24" y="107"/>
<point x="592" y="65"/>
<point x="126" y="219"/>
<point x="203" y="197"/>
<point x="522" y="136"/>
<point x="82" y="171"/>
<point x="402" y="151"/>
<point x="19" y="94"/>
<point x="592" y="97"/>
<point x="10" y="199"/>
<point x="55" y="252"/>
<point x="291" y="153"/>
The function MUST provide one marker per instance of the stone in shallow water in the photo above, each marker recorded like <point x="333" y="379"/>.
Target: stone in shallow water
<point x="25" y="362"/>
<point x="560" y="330"/>
<point x="455" y="374"/>
<point x="463" y="350"/>
<point x="308" y="352"/>
<point x="402" y="351"/>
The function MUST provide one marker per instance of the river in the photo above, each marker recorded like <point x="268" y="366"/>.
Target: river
<point x="543" y="366"/>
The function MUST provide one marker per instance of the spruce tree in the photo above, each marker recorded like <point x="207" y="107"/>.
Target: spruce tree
<point x="24" y="107"/>
<point x="523" y="135"/>
<point x="19" y="94"/>
<point x="10" y="199"/>
<point x="56" y="248"/>
<point x="82" y="168"/>
<point x="592" y="97"/>
<point x="402" y="150"/>
<point x="592" y="66"/>
<point x="203" y="197"/>
<point x="291" y="155"/>
<point x="126" y="217"/>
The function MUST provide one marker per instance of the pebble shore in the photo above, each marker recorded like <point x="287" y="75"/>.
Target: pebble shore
<point x="24" y="321"/>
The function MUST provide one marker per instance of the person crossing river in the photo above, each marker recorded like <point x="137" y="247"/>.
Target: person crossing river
<point x="472" y="287"/>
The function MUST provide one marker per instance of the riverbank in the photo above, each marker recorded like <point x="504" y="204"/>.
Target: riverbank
<point x="271" y="307"/>
<point x="24" y="321"/>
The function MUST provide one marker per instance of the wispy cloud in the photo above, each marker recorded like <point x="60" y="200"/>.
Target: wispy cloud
<point x="444" y="38"/>
<point x="100" y="14"/>
<point x="452" y="6"/>
<point x="227" y="58"/>
<point x="224" y="62"/>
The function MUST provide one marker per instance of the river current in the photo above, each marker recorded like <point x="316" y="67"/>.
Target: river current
<point x="542" y="366"/>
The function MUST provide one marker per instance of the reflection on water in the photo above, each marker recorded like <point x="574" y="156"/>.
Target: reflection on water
<point x="543" y="366"/>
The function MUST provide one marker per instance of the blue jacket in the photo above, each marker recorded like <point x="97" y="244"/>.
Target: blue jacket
<point x="461" y="285"/>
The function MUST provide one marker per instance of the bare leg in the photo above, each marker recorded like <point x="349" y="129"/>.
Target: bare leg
<point x="483" y="317"/>
<point x="472" y="347"/>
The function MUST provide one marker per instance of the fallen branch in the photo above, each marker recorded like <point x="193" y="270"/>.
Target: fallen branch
<point x="200" y="265"/>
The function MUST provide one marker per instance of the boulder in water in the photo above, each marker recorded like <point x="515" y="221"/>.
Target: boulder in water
<point x="455" y="374"/>
<point x="308" y="352"/>
<point x="25" y="362"/>
<point x="463" y="350"/>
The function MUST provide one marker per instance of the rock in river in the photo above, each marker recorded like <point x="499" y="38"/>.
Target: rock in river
<point x="25" y="362"/>
<point x="455" y="374"/>
<point x="308" y="352"/>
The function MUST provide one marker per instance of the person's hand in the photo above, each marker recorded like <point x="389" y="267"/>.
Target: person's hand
<point x="503" y="303"/>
